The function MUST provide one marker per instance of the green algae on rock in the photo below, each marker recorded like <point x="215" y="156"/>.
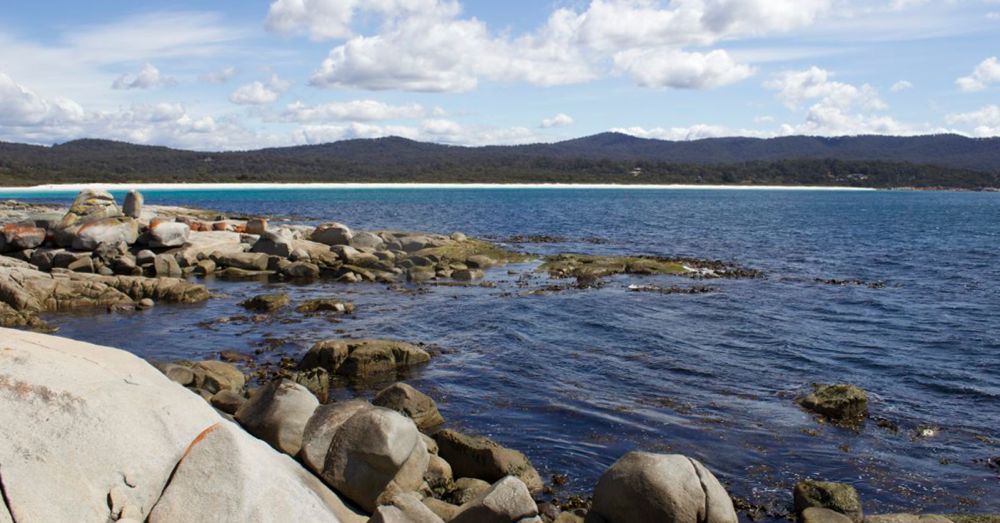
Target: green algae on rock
<point x="589" y="266"/>
<point x="839" y="497"/>
<point x="842" y="404"/>
<point x="267" y="302"/>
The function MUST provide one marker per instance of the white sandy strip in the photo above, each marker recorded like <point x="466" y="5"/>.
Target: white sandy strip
<point x="56" y="188"/>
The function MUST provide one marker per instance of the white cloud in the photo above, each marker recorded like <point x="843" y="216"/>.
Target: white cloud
<point x="330" y="19"/>
<point x="694" y="132"/>
<point x="260" y="93"/>
<point x="901" y="86"/>
<point x="433" y="48"/>
<point x="356" y="110"/>
<point x="680" y="69"/>
<point x="20" y="106"/>
<point x="219" y="77"/>
<point x="838" y="108"/>
<point x="435" y="130"/>
<point x="559" y="120"/>
<point x="796" y="87"/>
<point x="146" y="78"/>
<point x="984" y="122"/>
<point x="985" y="74"/>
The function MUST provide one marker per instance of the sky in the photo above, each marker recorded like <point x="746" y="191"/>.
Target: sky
<point x="247" y="74"/>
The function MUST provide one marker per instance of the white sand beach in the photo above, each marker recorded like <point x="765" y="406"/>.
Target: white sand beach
<point x="60" y="188"/>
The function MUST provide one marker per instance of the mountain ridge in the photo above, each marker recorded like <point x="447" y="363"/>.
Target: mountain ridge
<point x="945" y="160"/>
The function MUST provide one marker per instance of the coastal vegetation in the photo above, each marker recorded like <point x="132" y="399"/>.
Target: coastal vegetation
<point x="879" y="162"/>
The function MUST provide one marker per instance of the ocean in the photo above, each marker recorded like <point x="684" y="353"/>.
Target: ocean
<point x="575" y="378"/>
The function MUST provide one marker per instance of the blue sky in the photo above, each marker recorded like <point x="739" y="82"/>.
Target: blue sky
<point x="227" y="74"/>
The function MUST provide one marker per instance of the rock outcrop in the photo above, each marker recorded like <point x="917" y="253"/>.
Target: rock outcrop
<point x="411" y="403"/>
<point x="482" y="458"/>
<point x="843" y="404"/>
<point x="363" y="358"/>
<point x="374" y="455"/>
<point x="92" y="433"/>
<point x="277" y="413"/>
<point x="507" y="501"/>
<point x="839" y="497"/>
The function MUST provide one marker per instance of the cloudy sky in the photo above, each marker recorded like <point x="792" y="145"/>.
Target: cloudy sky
<point x="239" y="74"/>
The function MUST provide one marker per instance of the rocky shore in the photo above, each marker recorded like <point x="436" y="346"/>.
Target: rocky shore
<point x="92" y="433"/>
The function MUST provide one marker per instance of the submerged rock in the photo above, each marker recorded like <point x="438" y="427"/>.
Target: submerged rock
<point x="656" y="487"/>
<point x="325" y="305"/>
<point x="266" y="302"/>
<point x="482" y="458"/>
<point x="842" y="403"/>
<point x="839" y="497"/>
<point x="363" y="358"/>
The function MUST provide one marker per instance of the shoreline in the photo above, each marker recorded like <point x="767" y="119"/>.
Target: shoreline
<point x="58" y="188"/>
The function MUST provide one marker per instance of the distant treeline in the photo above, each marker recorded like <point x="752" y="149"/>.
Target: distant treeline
<point x="400" y="160"/>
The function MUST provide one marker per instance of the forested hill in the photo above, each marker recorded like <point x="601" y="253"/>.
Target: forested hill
<point x="871" y="161"/>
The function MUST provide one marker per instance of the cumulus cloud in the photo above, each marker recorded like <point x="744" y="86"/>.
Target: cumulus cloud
<point x="20" y="106"/>
<point x="356" y="110"/>
<point x="219" y="77"/>
<point x="434" y="50"/>
<point x="680" y="69"/>
<point x="984" y="75"/>
<point x="796" y="87"/>
<point x="26" y="115"/>
<point x="146" y="78"/>
<point x="694" y="132"/>
<point x="435" y="129"/>
<point x="427" y="45"/>
<point x="260" y="93"/>
<point x="559" y="120"/>
<point x="837" y="108"/>
<point x="984" y="122"/>
<point x="901" y="86"/>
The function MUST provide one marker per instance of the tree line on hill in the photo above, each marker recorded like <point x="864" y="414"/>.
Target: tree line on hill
<point x="606" y="158"/>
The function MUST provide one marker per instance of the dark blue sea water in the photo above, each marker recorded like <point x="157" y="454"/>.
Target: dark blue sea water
<point x="577" y="378"/>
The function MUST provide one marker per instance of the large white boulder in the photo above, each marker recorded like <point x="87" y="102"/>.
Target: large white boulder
<point x="669" y="488"/>
<point x="332" y="234"/>
<point x="226" y="476"/>
<point x="111" y="230"/>
<point x="90" y="433"/>
<point x="168" y="234"/>
<point x="78" y="420"/>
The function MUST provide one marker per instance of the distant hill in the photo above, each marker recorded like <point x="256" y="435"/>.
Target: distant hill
<point x="872" y="161"/>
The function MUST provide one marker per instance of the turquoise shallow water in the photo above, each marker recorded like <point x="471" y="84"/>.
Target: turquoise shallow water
<point x="576" y="378"/>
